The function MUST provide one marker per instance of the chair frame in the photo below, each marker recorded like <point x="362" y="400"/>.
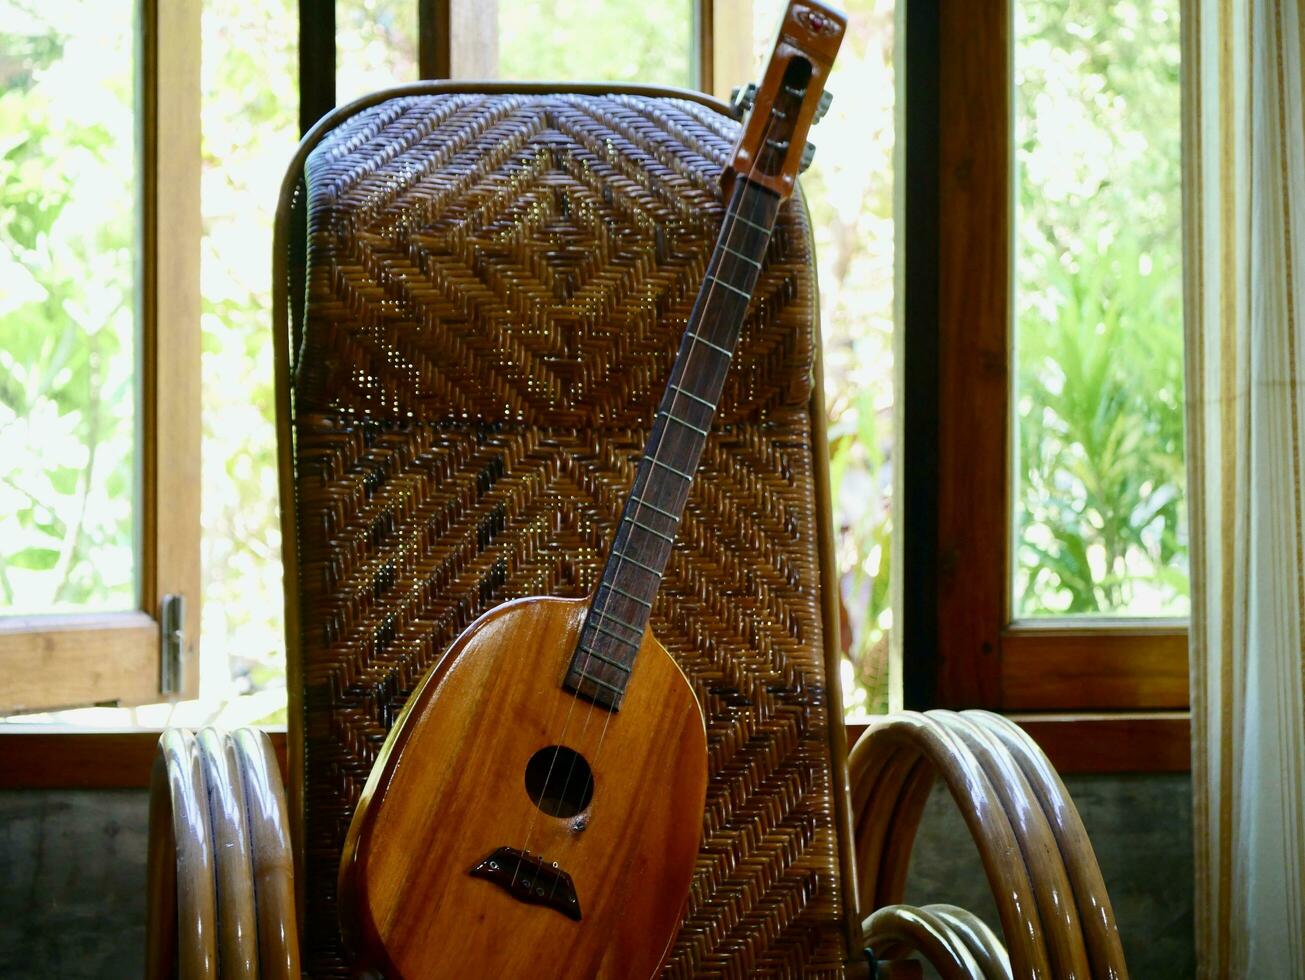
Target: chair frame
<point x="285" y="326"/>
<point x="215" y="790"/>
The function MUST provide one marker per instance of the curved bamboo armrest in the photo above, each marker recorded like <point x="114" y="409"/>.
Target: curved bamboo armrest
<point x="1054" y="909"/>
<point x="220" y="898"/>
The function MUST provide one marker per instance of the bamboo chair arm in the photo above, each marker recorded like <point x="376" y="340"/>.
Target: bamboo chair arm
<point x="984" y="944"/>
<point x="1054" y="910"/>
<point x="181" y="896"/>
<point x="886" y="814"/>
<point x="894" y="928"/>
<point x="220" y="899"/>
<point x="1101" y="932"/>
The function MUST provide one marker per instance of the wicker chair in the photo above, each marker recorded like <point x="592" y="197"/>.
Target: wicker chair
<point x="480" y="289"/>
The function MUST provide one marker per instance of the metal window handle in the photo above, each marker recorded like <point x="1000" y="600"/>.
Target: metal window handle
<point x="172" y="643"/>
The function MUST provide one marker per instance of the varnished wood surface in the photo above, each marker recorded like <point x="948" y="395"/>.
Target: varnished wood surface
<point x="1109" y="667"/>
<point x="898" y="927"/>
<point x="981" y="658"/>
<point x="181" y="937"/>
<point x="973" y="349"/>
<point x="812" y="32"/>
<point x="1089" y="888"/>
<point x="1124" y="742"/>
<point x="449" y="789"/>
<point x="37" y="757"/>
<point x="273" y="864"/>
<point x="1055" y="912"/>
<point x="984" y="944"/>
<point x="170" y="405"/>
<point x="1052" y="892"/>
<point x="233" y="863"/>
<point x="1075" y="743"/>
<point x="220" y="881"/>
<point x="893" y="745"/>
<point x="64" y="661"/>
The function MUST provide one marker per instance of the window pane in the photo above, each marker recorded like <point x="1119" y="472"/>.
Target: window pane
<point x="596" y="40"/>
<point x="250" y="110"/>
<point x="67" y="307"/>
<point x="249" y="124"/>
<point x="1100" y="511"/>
<point x="849" y="190"/>
<point x="375" y="46"/>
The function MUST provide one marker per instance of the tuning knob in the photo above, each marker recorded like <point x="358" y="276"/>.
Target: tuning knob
<point x="808" y="154"/>
<point x="822" y="106"/>
<point x="744" y="96"/>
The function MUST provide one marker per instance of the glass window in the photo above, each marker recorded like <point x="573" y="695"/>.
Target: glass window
<point x="1100" y="520"/>
<point x="375" y="46"/>
<point x="849" y="190"/>
<point x="250" y="126"/>
<point x="250" y="131"/>
<point x="68" y="317"/>
<point x="596" y="40"/>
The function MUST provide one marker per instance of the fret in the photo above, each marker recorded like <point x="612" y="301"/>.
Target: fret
<point x="668" y="538"/>
<point x="732" y="288"/>
<point x="592" y="654"/>
<point x="714" y="346"/>
<point x="751" y="224"/>
<point x="638" y="564"/>
<point x="743" y="241"/>
<point x="688" y="394"/>
<point x="589" y="678"/>
<point x="600" y="616"/>
<point x="667" y="466"/>
<point x="688" y="425"/>
<point x="746" y="258"/>
<point x="654" y="508"/>
<point x="716" y="324"/>
<point x="600" y="628"/>
<point x="629" y="595"/>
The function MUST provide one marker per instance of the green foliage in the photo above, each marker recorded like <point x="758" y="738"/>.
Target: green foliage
<point x="1100" y="388"/>
<point x="249" y="134"/>
<point x="595" y="40"/>
<point x="850" y="194"/>
<point x="1101" y="438"/>
<point x="67" y="326"/>
<point x="861" y="484"/>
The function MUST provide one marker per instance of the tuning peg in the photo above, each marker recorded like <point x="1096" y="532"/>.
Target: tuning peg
<point x="822" y="106"/>
<point x="808" y="154"/>
<point x="743" y="97"/>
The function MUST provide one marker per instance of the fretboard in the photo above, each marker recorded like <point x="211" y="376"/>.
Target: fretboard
<point x="618" y="616"/>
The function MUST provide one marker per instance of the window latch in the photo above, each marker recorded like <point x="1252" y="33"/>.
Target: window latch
<point x="172" y="641"/>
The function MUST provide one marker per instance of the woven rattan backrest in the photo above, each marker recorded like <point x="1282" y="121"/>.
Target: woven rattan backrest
<point x="496" y="285"/>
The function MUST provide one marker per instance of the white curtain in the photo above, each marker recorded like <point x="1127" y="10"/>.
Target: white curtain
<point x="1244" y="190"/>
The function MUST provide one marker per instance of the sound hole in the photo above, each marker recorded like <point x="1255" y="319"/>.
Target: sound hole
<point x="559" y="781"/>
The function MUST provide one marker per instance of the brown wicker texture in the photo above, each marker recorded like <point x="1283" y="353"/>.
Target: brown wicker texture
<point x="496" y="288"/>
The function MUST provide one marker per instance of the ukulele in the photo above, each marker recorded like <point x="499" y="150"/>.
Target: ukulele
<point x="537" y="808"/>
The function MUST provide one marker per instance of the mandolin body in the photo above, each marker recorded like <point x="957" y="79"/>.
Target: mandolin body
<point x="451" y="793"/>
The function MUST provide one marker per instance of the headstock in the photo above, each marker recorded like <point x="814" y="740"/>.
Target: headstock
<point x="772" y="149"/>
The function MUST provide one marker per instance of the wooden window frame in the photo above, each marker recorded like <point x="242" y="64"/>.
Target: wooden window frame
<point x="1097" y="699"/>
<point x="59" y="661"/>
<point x="1112" y="695"/>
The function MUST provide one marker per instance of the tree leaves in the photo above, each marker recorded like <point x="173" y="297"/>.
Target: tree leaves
<point x="1100" y="518"/>
<point x="67" y="333"/>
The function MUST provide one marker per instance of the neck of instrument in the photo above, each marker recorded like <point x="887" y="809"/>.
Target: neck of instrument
<point x="617" y="617"/>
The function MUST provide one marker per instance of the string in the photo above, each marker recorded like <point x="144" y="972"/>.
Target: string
<point x="732" y="218"/>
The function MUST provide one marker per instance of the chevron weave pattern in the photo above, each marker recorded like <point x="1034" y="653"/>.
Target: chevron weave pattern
<point x="496" y="288"/>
